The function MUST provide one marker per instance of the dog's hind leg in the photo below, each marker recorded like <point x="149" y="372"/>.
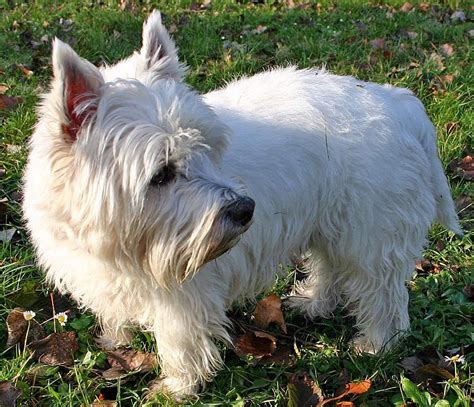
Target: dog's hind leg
<point x="379" y="301"/>
<point x="319" y="294"/>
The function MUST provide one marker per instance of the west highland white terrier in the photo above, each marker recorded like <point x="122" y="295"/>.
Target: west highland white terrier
<point x="158" y="207"/>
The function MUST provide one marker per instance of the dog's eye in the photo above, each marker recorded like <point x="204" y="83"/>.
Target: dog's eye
<point x="163" y="177"/>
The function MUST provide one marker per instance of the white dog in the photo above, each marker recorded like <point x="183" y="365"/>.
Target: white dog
<point x="158" y="207"/>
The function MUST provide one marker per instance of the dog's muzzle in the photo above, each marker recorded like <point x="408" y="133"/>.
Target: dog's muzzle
<point x="240" y="212"/>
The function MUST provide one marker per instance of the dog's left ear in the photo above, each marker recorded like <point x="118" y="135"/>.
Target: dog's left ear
<point x="159" y="50"/>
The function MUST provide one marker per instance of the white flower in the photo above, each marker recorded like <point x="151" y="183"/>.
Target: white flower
<point x="29" y="315"/>
<point x="454" y="359"/>
<point x="62" y="318"/>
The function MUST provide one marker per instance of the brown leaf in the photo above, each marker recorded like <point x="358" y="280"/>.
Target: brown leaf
<point x="469" y="292"/>
<point x="451" y="127"/>
<point x="359" y="387"/>
<point x="267" y="311"/>
<point x="463" y="168"/>
<point x="351" y="388"/>
<point x="345" y="404"/>
<point x="427" y="266"/>
<point x="9" y="102"/>
<point x="438" y="60"/>
<point x="8" y="394"/>
<point x="406" y="7"/>
<point x="283" y="355"/>
<point x="27" y="72"/>
<point x="132" y="360"/>
<point x="447" y="50"/>
<point x="104" y="403"/>
<point x="377" y="43"/>
<point x="448" y="78"/>
<point x="259" y="29"/>
<point x="411" y="363"/>
<point x="127" y="5"/>
<point x="303" y="391"/>
<point x="3" y="88"/>
<point x="17" y="327"/>
<point x="255" y="343"/>
<point x="424" y="7"/>
<point x="114" y="373"/>
<point x="440" y="246"/>
<point x="56" y="349"/>
<point x="361" y="26"/>
<point x="431" y="376"/>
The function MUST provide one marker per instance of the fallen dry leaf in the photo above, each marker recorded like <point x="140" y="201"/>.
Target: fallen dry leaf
<point x="424" y="7"/>
<point x="463" y="168"/>
<point x="351" y="389"/>
<point x="406" y="7"/>
<point x="303" y="391"/>
<point x="18" y="326"/>
<point x="132" y="360"/>
<point x="114" y="373"/>
<point x="465" y="206"/>
<point x="361" y="26"/>
<point x="267" y="311"/>
<point x="451" y="127"/>
<point x="8" y="394"/>
<point x="440" y="246"/>
<point x="56" y="349"/>
<point x="9" y="102"/>
<point x="27" y="72"/>
<point x="255" y="343"/>
<point x="427" y="266"/>
<point x="448" y="78"/>
<point x="377" y="43"/>
<point x="7" y="235"/>
<point x="3" y="88"/>
<point x="412" y="35"/>
<point x="447" y="50"/>
<point x="458" y="15"/>
<point x="259" y="29"/>
<point x="345" y="404"/>
<point x="432" y="376"/>
<point x="411" y="363"/>
<point x="468" y="291"/>
<point x="104" y="403"/>
<point x="438" y="60"/>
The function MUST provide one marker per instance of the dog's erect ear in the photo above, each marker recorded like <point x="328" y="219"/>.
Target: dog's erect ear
<point x="77" y="82"/>
<point x="159" y="50"/>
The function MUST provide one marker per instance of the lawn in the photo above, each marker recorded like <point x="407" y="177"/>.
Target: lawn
<point x="421" y="46"/>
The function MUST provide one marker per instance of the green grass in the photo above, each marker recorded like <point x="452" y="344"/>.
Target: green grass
<point x="217" y="44"/>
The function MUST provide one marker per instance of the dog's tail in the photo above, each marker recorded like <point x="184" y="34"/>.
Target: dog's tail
<point x="421" y="125"/>
<point x="446" y="211"/>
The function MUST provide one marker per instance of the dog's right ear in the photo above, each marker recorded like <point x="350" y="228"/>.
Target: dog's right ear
<point x="76" y="84"/>
<point x="158" y="49"/>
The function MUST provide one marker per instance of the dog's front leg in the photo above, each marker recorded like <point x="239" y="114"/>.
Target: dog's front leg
<point x="186" y="326"/>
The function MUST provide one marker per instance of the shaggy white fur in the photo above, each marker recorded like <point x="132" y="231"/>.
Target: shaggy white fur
<point x="136" y="186"/>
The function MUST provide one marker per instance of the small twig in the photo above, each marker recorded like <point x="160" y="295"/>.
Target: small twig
<point x="51" y="296"/>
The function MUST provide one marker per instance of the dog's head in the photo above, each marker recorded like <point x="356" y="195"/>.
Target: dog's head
<point x="134" y="159"/>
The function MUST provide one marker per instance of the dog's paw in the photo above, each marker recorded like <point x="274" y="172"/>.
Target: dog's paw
<point x="172" y="387"/>
<point x="361" y="344"/>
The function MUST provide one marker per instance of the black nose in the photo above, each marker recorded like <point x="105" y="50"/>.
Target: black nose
<point x="241" y="211"/>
